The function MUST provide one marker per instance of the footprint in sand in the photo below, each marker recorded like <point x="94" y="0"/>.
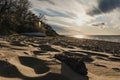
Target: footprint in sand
<point x="100" y="65"/>
<point x="38" y="65"/>
<point x="116" y="69"/>
<point x="17" y="43"/>
<point x="48" y="48"/>
<point x="38" y="52"/>
<point x="8" y="70"/>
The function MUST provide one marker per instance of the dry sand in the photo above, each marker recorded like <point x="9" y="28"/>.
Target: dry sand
<point x="26" y="58"/>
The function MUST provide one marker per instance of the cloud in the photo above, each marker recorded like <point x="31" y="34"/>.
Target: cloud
<point x="58" y="13"/>
<point x="109" y="5"/>
<point x="76" y="16"/>
<point x="94" y="11"/>
<point x="49" y="1"/>
<point x="61" y="29"/>
<point x="105" y="6"/>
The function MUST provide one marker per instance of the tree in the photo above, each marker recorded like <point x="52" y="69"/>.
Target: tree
<point x="42" y="18"/>
<point x="15" y="17"/>
<point x="12" y="14"/>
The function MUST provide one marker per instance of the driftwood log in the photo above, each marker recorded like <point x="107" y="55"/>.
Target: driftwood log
<point x="74" y="63"/>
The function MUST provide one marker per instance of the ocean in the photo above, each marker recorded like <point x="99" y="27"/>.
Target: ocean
<point x="111" y="38"/>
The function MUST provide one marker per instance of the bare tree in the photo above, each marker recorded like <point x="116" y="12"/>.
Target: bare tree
<point x="42" y="18"/>
<point x="15" y="16"/>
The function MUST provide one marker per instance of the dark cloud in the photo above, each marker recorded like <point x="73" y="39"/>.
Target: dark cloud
<point x="105" y="6"/>
<point x="94" y="11"/>
<point x="49" y="1"/>
<point x="108" y="5"/>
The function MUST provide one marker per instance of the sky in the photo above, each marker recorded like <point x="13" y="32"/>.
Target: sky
<point x="84" y="17"/>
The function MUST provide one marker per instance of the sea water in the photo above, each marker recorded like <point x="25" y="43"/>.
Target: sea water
<point x="111" y="38"/>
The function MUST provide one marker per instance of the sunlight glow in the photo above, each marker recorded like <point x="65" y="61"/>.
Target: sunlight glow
<point x="79" y="36"/>
<point x="83" y="18"/>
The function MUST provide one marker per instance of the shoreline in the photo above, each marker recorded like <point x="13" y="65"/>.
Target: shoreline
<point x="98" y="37"/>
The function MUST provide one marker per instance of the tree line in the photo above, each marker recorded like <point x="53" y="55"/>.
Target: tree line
<point x="15" y="17"/>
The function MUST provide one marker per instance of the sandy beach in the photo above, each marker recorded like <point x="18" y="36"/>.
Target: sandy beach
<point x="32" y="58"/>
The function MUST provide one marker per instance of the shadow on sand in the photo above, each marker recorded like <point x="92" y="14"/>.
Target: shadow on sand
<point x="31" y="62"/>
<point x="8" y="70"/>
<point x="68" y="72"/>
<point x="48" y="48"/>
